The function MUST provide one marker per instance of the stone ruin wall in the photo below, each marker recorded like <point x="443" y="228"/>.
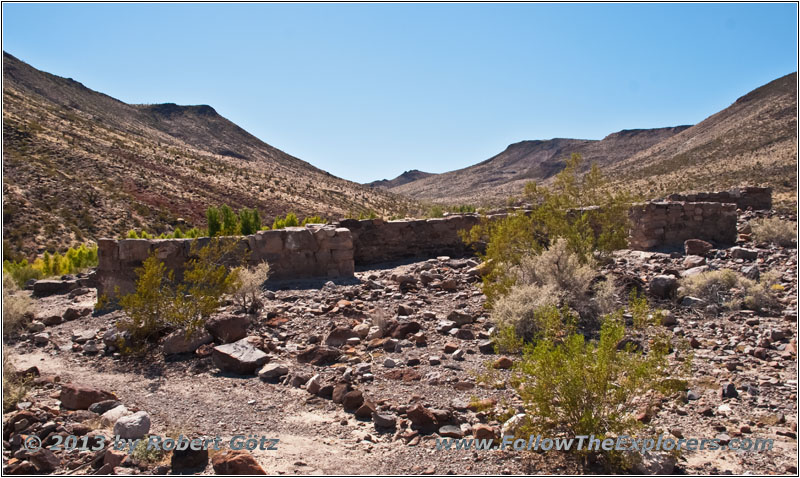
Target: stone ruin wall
<point x="746" y="197"/>
<point x="668" y="224"/>
<point x="292" y="253"/>
<point x="333" y="251"/>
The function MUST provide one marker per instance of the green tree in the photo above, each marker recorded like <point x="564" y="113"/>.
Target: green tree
<point x="213" y="220"/>
<point x="230" y="223"/>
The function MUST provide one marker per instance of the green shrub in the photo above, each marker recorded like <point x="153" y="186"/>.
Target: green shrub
<point x="582" y="210"/>
<point x="575" y="386"/>
<point x="76" y="259"/>
<point x="213" y="221"/>
<point x="731" y="290"/>
<point x="289" y="221"/>
<point x="314" y="220"/>
<point x="436" y="211"/>
<point x="161" y="303"/>
<point x="132" y="235"/>
<point x="775" y="230"/>
<point x="527" y="311"/>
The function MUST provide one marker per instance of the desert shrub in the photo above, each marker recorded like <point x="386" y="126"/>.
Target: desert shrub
<point x="132" y="235"/>
<point x="289" y="221"/>
<point x="314" y="220"/>
<point x="161" y="303"/>
<point x="575" y="386"/>
<point x="463" y="209"/>
<point x="16" y="307"/>
<point x="249" y="221"/>
<point x="213" y="221"/>
<point x="731" y="290"/>
<point x="775" y="230"/>
<point x="15" y="387"/>
<point x="641" y="314"/>
<point x="74" y="260"/>
<point x="144" y="454"/>
<point x="436" y="211"/>
<point x="248" y="286"/>
<point x="527" y="311"/>
<point x="581" y="209"/>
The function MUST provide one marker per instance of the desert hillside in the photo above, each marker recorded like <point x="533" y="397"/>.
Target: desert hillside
<point x="79" y="165"/>
<point x="752" y="142"/>
<point x="505" y="174"/>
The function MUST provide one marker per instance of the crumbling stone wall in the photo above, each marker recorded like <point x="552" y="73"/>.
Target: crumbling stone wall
<point x="376" y="240"/>
<point x="670" y="223"/>
<point x="751" y="196"/>
<point x="292" y="253"/>
<point x="334" y="250"/>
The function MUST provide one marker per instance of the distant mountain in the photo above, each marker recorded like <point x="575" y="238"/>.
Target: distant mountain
<point x="404" y="178"/>
<point x="505" y="174"/>
<point x="80" y="165"/>
<point x="753" y="142"/>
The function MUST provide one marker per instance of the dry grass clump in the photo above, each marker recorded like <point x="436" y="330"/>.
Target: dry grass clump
<point x="733" y="291"/>
<point x="249" y="286"/>
<point x="775" y="230"/>
<point x="15" y="387"/>
<point x="16" y="306"/>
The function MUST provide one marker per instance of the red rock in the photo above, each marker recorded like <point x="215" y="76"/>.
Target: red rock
<point x="503" y="363"/>
<point x="77" y="397"/>
<point x="422" y="419"/>
<point x="236" y="462"/>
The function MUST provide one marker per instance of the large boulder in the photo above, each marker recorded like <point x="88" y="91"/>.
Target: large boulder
<point x="228" y="328"/>
<point x="178" y="343"/>
<point x="663" y="286"/>
<point x="236" y="462"/>
<point x="742" y="253"/>
<point x="239" y="357"/>
<point x="79" y="397"/>
<point x="406" y="328"/>
<point x="133" y="426"/>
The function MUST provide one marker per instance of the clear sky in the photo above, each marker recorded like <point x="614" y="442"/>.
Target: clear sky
<point x="366" y="91"/>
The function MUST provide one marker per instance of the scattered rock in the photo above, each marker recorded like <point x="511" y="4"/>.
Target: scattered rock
<point x="78" y="397"/>
<point x="133" y="426"/>
<point x="236" y="462"/>
<point x="273" y="371"/>
<point x="697" y="247"/>
<point x="663" y="286"/>
<point x="228" y="328"/>
<point x="742" y="253"/>
<point x="239" y="357"/>
<point x="178" y="343"/>
<point x="339" y="336"/>
<point x="319" y="355"/>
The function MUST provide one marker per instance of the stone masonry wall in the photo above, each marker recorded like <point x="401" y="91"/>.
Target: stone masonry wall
<point x="668" y="224"/>
<point x="292" y="253"/>
<point x="333" y="251"/>
<point x="376" y="240"/>
<point x="751" y="196"/>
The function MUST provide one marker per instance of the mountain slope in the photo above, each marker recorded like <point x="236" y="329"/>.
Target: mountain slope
<point x="505" y="174"/>
<point x="753" y="142"/>
<point x="80" y="165"/>
<point x="404" y="178"/>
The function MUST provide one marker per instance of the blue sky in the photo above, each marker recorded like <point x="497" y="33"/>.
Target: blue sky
<point x="366" y="91"/>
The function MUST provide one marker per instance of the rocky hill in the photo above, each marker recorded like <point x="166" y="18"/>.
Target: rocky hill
<point x="404" y="178"/>
<point x="752" y="142"/>
<point x="505" y="174"/>
<point x="79" y="165"/>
